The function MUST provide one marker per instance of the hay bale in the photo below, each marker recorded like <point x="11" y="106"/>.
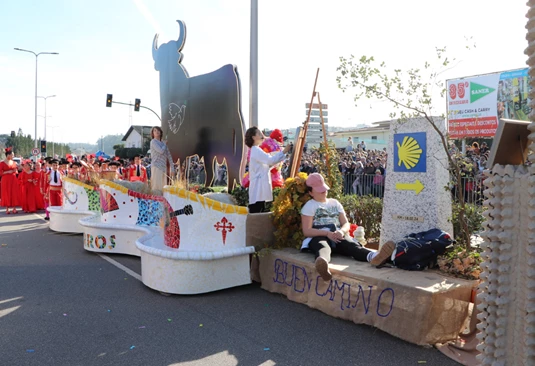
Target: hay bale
<point x="136" y="186"/>
<point x="221" y="197"/>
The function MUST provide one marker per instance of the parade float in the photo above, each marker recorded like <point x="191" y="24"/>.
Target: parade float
<point x="190" y="244"/>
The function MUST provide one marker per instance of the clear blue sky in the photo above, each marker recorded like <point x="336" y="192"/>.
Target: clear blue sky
<point x="104" y="48"/>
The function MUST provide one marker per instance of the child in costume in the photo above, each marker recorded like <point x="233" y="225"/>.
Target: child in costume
<point x="54" y="186"/>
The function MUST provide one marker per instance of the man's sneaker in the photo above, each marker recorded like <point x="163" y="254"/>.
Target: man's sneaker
<point x="384" y="253"/>
<point x="322" y="266"/>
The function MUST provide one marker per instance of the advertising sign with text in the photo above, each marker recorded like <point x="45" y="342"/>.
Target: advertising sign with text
<point x="475" y="104"/>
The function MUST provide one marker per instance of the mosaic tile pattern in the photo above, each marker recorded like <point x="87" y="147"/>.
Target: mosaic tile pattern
<point x="150" y="212"/>
<point x="93" y="197"/>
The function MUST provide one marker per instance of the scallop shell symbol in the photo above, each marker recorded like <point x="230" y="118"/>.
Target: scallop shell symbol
<point x="409" y="152"/>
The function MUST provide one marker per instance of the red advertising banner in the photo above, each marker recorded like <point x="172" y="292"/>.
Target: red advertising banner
<point x="469" y="127"/>
<point x="475" y="104"/>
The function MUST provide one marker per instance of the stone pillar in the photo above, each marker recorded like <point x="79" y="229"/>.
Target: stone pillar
<point x="415" y="196"/>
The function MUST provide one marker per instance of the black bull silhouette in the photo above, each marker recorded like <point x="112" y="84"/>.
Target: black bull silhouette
<point x="201" y="115"/>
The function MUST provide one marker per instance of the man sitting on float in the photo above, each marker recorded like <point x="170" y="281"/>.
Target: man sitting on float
<point x="325" y="227"/>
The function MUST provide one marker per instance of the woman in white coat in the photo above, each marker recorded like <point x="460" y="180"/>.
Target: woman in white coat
<point x="260" y="189"/>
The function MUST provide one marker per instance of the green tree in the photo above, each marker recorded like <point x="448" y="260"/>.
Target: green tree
<point x="411" y="94"/>
<point x="327" y="166"/>
<point x="106" y="143"/>
<point x="21" y="145"/>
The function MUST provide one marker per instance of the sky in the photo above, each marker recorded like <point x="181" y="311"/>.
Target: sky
<point x="105" y="47"/>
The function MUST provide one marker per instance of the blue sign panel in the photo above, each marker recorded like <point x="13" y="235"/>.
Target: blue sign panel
<point x="410" y="152"/>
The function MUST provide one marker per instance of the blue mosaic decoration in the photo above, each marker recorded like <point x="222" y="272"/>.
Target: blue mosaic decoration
<point x="150" y="212"/>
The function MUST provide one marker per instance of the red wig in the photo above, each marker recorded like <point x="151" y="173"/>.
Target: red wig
<point x="276" y="135"/>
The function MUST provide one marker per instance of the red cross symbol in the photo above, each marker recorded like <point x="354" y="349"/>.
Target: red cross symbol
<point x="224" y="227"/>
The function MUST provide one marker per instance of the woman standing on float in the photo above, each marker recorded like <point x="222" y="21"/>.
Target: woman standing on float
<point x="10" y="185"/>
<point x="260" y="186"/>
<point x="160" y="156"/>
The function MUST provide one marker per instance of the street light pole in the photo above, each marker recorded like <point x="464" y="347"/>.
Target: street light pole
<point x="253" y="65"/>
<point x="45" y="98"/>
<point x="36" y="59"/>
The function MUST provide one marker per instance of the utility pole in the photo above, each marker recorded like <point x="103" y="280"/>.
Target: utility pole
<point x="253" y="64"/>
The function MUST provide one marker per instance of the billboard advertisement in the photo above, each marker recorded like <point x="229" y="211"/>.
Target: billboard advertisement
<point x="475" y="104"/>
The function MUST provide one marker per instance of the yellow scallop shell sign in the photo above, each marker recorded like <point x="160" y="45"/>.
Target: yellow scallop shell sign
<point x="410" y="152"/>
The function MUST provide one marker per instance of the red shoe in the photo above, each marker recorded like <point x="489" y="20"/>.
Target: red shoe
<point x="7" y="212"/>
<point x="14" y="211"/>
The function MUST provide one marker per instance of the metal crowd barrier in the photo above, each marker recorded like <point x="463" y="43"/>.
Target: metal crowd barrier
<point x="373" y="185"/>
<point x="370" y="184"/>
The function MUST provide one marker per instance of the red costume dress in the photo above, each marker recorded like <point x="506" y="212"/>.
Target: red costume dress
<point x="39" y="197"/>
<point x="10" y="186"/>
<point x="54" y="185"/>
<point x="29" y="192"/>
<point x="137" y="172"/>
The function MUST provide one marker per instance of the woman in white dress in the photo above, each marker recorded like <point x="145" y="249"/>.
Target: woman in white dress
<point x="160" y="156"/>
<point x="260" y="186"/>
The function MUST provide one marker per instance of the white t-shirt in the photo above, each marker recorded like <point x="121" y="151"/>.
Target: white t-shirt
<point x="323" y="213"/>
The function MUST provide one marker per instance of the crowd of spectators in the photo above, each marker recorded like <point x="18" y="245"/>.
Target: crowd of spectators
<point x="364" y="170"/>
<point x="472" y="163"/>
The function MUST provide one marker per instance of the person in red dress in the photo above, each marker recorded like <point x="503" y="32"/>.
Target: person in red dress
<point x="43" y="187"/>
<point x="136" y="171"/>
<point x="9" y="185"/>
<point x="29" y="188"/>
<point x="54" y="184"/>
<point x="38" y="174"/>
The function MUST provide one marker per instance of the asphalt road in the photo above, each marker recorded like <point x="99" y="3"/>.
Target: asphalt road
<point x="61" y="305"/>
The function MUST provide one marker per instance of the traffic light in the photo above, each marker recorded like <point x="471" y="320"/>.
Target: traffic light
<point x="136" y="105"/>
<point x="109" y="99"/>
<point x="13" y="134"/>
<point x="43" y="146"/>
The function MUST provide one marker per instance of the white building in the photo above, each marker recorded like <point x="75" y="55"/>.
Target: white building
<point x="375" y="137"/>
<point x="137" y="136"/>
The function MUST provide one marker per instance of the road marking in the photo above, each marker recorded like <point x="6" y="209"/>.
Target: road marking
<point x="39" y="216"/>
<point x="120" y="266"/>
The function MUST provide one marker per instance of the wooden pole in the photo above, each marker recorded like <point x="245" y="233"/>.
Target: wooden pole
<point x="297" y="162"/>
<point x="326" y="144"/>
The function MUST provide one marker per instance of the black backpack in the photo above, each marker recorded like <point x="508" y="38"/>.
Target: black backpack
<point x="420" y="251"/>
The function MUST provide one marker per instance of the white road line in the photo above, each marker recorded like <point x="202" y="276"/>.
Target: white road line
<point x="120" y="266"/>
<point x="39" y="216"/>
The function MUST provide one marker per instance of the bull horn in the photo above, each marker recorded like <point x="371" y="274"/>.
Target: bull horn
<point x="154" y="46"/>
<point x="182" y="36"/>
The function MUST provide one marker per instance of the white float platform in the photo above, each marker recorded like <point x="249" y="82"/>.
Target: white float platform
<point x="66" y="221"/>
<point x="196" y="252"/>
<point x="76" y="205"/>
<point x="191" y="272"/>
<point x="109" y="238"/>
